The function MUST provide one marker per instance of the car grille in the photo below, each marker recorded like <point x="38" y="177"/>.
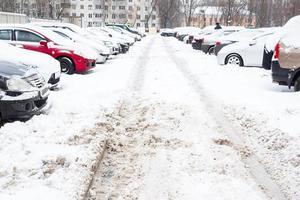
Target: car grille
<point x="35" y="80"/>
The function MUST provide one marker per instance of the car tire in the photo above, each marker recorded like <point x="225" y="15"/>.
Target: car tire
<point x="234" y="59"/>
<point x="66" y="65"/>
<point x="297" y="84"/>
<point x="211" y="50"/>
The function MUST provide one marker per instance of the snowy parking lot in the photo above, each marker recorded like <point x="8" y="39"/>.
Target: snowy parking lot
<point x="163" y="121"/>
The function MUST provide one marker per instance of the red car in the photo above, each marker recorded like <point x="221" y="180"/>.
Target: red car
<point x="73" y="57"/>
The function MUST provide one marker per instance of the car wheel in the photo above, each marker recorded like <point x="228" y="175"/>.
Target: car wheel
<point x="234" y="60"/>
<point x="66" y="65"/>
<point x="211" y="50"/>
<point x="297" y="85"/>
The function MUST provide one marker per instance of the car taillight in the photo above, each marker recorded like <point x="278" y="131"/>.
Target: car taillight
<point x="218" y="43"/>
<point x="277" y="51"/>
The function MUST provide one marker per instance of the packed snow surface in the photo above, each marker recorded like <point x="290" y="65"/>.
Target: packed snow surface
<point x="170" y="116"/>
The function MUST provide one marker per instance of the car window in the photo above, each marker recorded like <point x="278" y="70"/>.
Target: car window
<point x="27" y="36"/>
<point x="5" y="34"/>
<point x="62" y="34"/>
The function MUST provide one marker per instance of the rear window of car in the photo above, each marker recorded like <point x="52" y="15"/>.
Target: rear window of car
<point x="27" y="36"/>
<point x="5" y="35"/>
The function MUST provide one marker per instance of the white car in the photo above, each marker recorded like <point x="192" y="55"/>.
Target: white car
<point x="209" y="41"/>
<point x="125" y="32"/>
<point x="247" y="52"/>
<point x="116" y="34"/>
<point x="235" y="37"/>
<point x="103" y="51"/>
<point x="112" y="43"/>
<point x="47" y="66"/>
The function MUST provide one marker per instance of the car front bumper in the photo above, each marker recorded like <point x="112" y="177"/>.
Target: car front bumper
<point x="23" y="109"/>
<point x="84" y="64"/>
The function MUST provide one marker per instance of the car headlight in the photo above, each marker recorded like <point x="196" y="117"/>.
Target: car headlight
<point x="17" y="84"/>
<point x="108" y="43"/>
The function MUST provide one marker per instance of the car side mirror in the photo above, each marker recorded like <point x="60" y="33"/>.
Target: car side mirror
<point x="252" y="43"/>
<point x="44" y="43"/>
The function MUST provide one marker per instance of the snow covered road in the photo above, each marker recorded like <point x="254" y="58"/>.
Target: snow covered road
<point x="173" y="124"/>
<point x="170" y="141"/>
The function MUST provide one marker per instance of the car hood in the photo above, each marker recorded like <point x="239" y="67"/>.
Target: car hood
<point x="45" y="64"/>
<point x="9" y="69"/>
<point x="85" y="51"/>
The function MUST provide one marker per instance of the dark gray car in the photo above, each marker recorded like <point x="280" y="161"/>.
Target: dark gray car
<point x="23" y="91"/>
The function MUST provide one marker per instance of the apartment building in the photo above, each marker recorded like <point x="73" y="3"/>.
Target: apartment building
<point x="141" y="14"/>
<point x="138" y="13"/>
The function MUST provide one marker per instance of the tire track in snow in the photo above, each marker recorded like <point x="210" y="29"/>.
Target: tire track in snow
<point x="135" y="84"/>
<point x="136" y="80"/>
<point x="257" y="170"/>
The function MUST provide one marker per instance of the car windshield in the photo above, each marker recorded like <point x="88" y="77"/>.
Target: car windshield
<point x="55" y="37"/>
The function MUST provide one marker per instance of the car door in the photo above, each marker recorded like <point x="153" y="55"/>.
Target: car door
<point x="30" y="40"/>
<point x="254" y="51"/>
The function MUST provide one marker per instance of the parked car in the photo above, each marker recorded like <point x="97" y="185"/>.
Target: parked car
<point x="47" y="66"/>
<point x="182" y="32"/>
<point x="127" y="33"/>
<point x="23" y="92"/>
<point x="198" y="38"/>
<point x="113" y="43"/>
<point x="102" y="50"/>
<point x="126" y="41"/>
<point x="245" y="52"/>
<point x="286" y="59"/>
<point x="235" y="37"/>
<point x="118" y="35"/>
<point x="127" y="28"/>
<point x="72" y="57"/>
<point x="167" y="32"/>
<point x="209" y="41"/>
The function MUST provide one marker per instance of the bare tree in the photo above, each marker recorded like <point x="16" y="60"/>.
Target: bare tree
<point x="189" y="7"/>
<point x="153" y="5"/>
<point x="170" y="13"/>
